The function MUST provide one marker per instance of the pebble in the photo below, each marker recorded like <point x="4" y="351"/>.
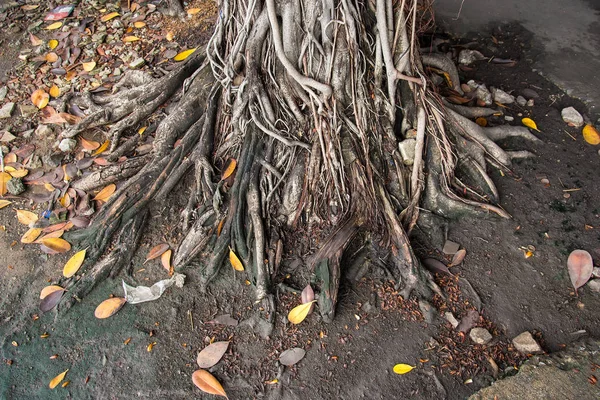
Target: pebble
<point x="594" y="285"/>
<point x="450" y="247"/>
<point x="530" y="103"/>
<point x="467" y="56"/>
<point x="6" y="110"/>
<point x="480" y="335"/>
<point x="502" y="97"/>
<point x="525" y="343"/>
<point x="407" y="150"/>
<point x="3" y="92"/>
<point x="27" y="110"/>
<point x="67" y="145"/>
<point x="572" y="117"/>
<point x="484" y="95"/>
<point x="43" y="131"/>
<point x="137" y="63"/>
<point x="15" y="186"/>
<point x="530" y="93"/>
<point x="522" y="101"/>
<point x="509" y="118"/>
<point x="451" y="318"/>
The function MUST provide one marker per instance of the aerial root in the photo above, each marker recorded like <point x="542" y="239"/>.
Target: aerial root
<point x="445" y="64"/>
<point x="471" y="112"/>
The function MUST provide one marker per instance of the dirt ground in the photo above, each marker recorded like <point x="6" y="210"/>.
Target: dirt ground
<point x="351" y="358"/>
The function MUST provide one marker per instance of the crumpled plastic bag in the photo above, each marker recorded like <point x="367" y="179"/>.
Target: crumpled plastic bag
<point x="142" y="294"/>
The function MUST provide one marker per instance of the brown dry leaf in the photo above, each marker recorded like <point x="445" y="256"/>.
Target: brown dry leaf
<point x="4" y="203"/>
<point x="207" y="383"/>
<point x="591" y="135"/>
<point x="139" y="24"/>
<point x="102" y="148"/>
<point x="193" y="11"/>
<point x="54" y="91"/>
<point x="51" y="300"/>
<point x="528" y="122"/>
<point x="235" y="261"/>
<point x="10" y="158"/>
<point x="165" y="260"/>
<point x="40" y="98"/>
<point x="89" y="145"/>
<point x="229" y="170"/>
<point x="57" y="379"/>
<point x="35" y="41"/>
<point x="56" y="244"/>
<point x="184" y="54"/>
<point x="26" y="217"/>
<point x="108" y="17"/>
<point x="53" y="26"/>
<point x="128" y="39"/>
<point x="292" y="356"/>
<point x="156" y="251"/>
<point x="299" y="313"/>
<point x="458" y="258"/>
<point x="31" y="235"/>
<point x="89" y="66"/>
<point x="51" y="57"/>
<point x="49" y="290"/>
<point x="580" y="265"/>
<point x="109" y="307"/>
<point x="74" y="263"/>
<point x="212" y="354"/>
<point x="52" y="44"/>
<point x="105" y="193"/>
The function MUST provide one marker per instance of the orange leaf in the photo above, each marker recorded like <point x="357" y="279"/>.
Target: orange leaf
<point x="481" y="121"/>
<point x="56" y="244"/>
<point x="193" y="11"/>
<point x="165" y="260"/>
<point x="128" y="39"/>
<point x="40" y="98"/>
<point x="139" y="24"/>
<point x="229" y="170"/>
<point x="109" y="307"/>
<point x="88" y="66"/>
<point x="590" y="135"/>
<point x="54" y="91"/>
<point x="207" y="383"/>
<point x="57" y="379"/>
<point x="51" y="57"/>
<point x="105" y="193"/>
<point x="108" y="17"/>
<point x="89" y="145"/>
<point x="102" y="148"/>
<point x="156" y="251"/>
<point x="235" y="261"/>
<point x="4" y="178"/>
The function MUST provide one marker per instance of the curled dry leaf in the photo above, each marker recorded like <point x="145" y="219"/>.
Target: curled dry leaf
<point x="105" y="193"/>
<point x="299" y="313"/>
<point x="207" y="383"/>
<point x="481" y="121"/>
<point x="48" y="290"/>
<point x="58" y="379"/>
<point x="31" y="235"/>
<point x="212" y="354"/>
<point x="26" y="217"/>
<point x="56" y="244"/>
<point x="402" y="369"/>
<point x="458" y="257"/>
<point x="292" y="356"/>
<point x="591" y="135"/>
<point x="156" y="251"/>
<point x="40" y="98"/>
<point x="580" y="265"/>
<point x="109" y="307"/>
<point x="4" y="178"/>
<point x="74" y="263"/>
<point x="184" y="54"/>
<point x="235" y="261"/>
<point x="165" y="260"/>
<point x="51" y="300"/>
<point x="4" y="203"/>
<point x="528" y="122"/>
<point x="35" y="41"/>
<point x="229" y="170"/>
<point x="308" y="294"/>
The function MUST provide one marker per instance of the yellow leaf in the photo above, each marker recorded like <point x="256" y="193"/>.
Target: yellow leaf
<point x="29" y="7"/>
<point x="57" y="244"/>
<point x="26" y="217"/>
<point x="4" y="178"/>
<point x="235" y="261"/>
<point x="528" y="122"/>
<point x="229" y="170"/>
<point x="108" y="17"/>
<point x="402" y="369"/>
<point x="88" y="66"/>
<point x="4" y="203"/>
<point x="169" y="36"/>
<point x="40" y="98"/>
<point x="65" y="384"/>
<point x="102" y="148"/>
<point x="54" y="91"/>
<point x="55" y="25"/>
<point x="193" y="11"/>
<point x="590" y="135"/>
<point x="156" y="251"/>
<point x="31" y="235"/>
<point x="19" y="173"/>
<point x="207" y="383"/>
<point x="150" y="347"/>
<point x="184" y="54"/>
<point x="139" y="24"/>
<point x="51" y="57"/>
<point x="127" y="39"/>
<point x="57" y="379"/>
<point x="109" y="307"/>
<point x="299" y="313"/>
<point x="49" y="290"/>
<point x="105" y="193"/>
<point x="165" y="260"/>
<point x="142" y="130"/>
<point x="52" y="44"/>
<point x="74" y="263"/>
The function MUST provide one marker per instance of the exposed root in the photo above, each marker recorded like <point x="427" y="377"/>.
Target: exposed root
<point x="445" y="64"/>
<point x="471" y="112"/>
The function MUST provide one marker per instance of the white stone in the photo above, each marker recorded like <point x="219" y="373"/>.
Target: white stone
<point x="509" y="118"/>
<point x="594" y="285"/>
<point x="137" y="63"/>
<point x="43" y="131"/>
<point x="572" y="117"/>
<point x="6" y="110"/>
<point x="467" y="56"/>
<point x="451" y="318"/>
<point x="502" y="97"/>
<point x="67" y="145"/>
<point x="407" y="150"/>
<point x="3" y="92"/>
<point x="522" y="101"/>
<point x="480" y="335"/>
<point x="530" y="103"/>
<point x="525" y="343"/>
<point x="484" y="95"/>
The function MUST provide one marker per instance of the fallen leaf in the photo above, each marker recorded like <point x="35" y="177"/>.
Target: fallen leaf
<point x="528" y="122"/>
<point x="150" y="347"/>
<point x="74" y="263"/>
<point x="128" y="39"/>
<point x="436" y="266"/>
<point x="212" y="354"/>
<point x="235" y="261"/>
<point x="53" y="26"/>
<point x="89" y="145"/>
<point x="4" y="203"/>
<point x="109" y="307"/>
<point x="156" y="251"/>
<point x="458" y="258"/>
<point x="57" y="379"/>
<point x="225" y="319"/>
<point x="4" y="178"/>
<point x="402" y="369"/>
<point x="207" y="383"/>
<point x="102" y="148"/>
<point x="108" y="17"/>
<point x="26" y="217"/>
<point x="35" y="41"/>
<point x="299" y="313"/>
<point x="52" y="44"/>
<point x="51" y="300"/>
<point x="40" y="98"/>
<point x="10" y="158"/>
<point x="590" y="135"/>
<point x="105" y="193"/>
<point x="31" y="235"/>
<point x="56" y="244"/>
<point x="481" y="121"/>
<point x="308" y="294"/>
<point x="49" y="290"/>
<point x="88" y="66"/>
<point x="139" y="24"/>
<point x="229" y="170"/>
<point x="193" y="11"/>
<point x="54" y="91"/>
<point x="29" y="7"/>
<point x="18" y="173"/>
<point x="165" y="260"/>
<point x="51" y="57"/>
<point x="292" y="356"/>
<point x="169" y="36"/>
<point x="184" y="54"/>
<point x="54" y="234"/>
<point x="580" y="265"/>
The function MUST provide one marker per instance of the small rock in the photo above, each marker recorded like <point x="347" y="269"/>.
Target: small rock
<point x="530" y="93"/>
<point x="525" y="343"/>
<point x="26" y="134"/>
<point x="137" y="63"/>
<point x="502" y="97"/>
<point x="596" y="272"/>
<point x="67" y="145"/>
<point x="6" y="136"/>
<point x="15" y="186"/>
<point x="509" y="118"/>
<point x="450" y="318"/>
<point x="27" y="109"/>
<point x="52" y="160"/>
<point x="572" y="117"/>
<point x="117" y="71"/>
<point x="521" y="101"/>
<point x="480" y="335"/>
<point x="484" y="95"/>
<point x="594" y="285"/>
<point x="467" y="56"/>
<point x="530" y="103"/>
<point x="407" y="150"/>
<point x="43" y="131"/>
<point x="427" y="310"/>
<point x="3" y="92"/>
<point x="6" y="110"/>
<point x="450" y="247"/>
